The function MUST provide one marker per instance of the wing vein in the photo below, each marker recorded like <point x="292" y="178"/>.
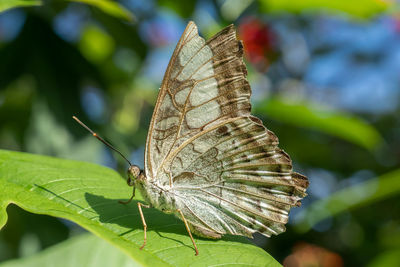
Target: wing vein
<point x="240" y="207"/>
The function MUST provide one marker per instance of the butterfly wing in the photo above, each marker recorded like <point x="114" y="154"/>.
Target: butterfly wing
<point x="234" y="179"/>
<point x="227" y="171"/>
<point x="203" y="85"/>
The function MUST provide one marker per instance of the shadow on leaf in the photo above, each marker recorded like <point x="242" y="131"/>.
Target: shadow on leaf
<point x="127" y="216"/>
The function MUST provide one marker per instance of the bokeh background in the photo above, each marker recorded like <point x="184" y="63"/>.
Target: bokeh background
<point x="325" y="77"/>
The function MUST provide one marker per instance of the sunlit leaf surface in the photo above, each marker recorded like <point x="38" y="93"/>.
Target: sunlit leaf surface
<point x="88" y="194"/>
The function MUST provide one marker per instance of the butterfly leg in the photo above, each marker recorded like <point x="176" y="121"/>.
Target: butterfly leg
<point x="190" y="234"/>
<point x="143" y="221"/>
<point x="130" y="199"/>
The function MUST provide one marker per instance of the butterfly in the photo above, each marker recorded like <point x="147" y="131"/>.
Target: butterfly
<point x="207" y="159"/>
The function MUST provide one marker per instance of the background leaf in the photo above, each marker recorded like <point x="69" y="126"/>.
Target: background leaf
<point x="183" y="8"/>
<point x="88" y="194"/>
<point x="109" y="7"/>
<point x="84" y="250"/>
<point x="362" y="194"/>
<point x="358" y="8"/>
<point x="112" y="8"/>
<point x="8" y="4"/>
<point x="387" y="258"/>
<point x="332" y="122"/>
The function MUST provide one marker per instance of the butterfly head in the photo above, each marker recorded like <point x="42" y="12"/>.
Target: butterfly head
<point x="134" y="174"/>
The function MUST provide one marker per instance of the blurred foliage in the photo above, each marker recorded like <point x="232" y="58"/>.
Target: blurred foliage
<point x="358" y="8"/>
<point x="349" y="198"/>
<point x="326" y="84"/>
<point x="28" y="233"/>
<point x="322" y="119"/>
<point x="8" y="4"/>
<point x="388" y="258"/>
<point x="110" y="7"/>
<point x="182" y="8"/>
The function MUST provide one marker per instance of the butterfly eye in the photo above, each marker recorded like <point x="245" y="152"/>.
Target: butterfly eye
<point x="134" y="171"/>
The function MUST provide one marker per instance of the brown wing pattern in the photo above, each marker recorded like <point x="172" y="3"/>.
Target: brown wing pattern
<point x="227" y="172"/>
<point x="234" y="179"/>
<point x="204" y="84"/>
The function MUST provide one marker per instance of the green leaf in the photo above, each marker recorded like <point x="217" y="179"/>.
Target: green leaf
<point x="352" y="197"/>
<point x="88" y="194"/>
<point x="387" y="258"/>
<point x="96" y="45"/>
<point x="109" y="7"/>
<point x="232" y="9"/>
<point x="8" y="4"/>
<point x="357" y="8"/>
<point x="112" y="8"/>
<point x="339" y="124"/>
<point x="83" y="250"/>
<point x="182" y="8"/>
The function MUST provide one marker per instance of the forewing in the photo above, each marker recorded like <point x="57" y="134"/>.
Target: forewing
<point x="204" y="84"/>
<point x="232" y="178"/>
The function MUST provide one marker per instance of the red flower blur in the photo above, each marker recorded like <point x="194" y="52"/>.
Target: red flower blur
<point x="310" y="255"/>
<point x="259" y="42"/>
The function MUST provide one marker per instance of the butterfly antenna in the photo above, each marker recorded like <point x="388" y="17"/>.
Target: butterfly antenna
<point x="101" y="139"/>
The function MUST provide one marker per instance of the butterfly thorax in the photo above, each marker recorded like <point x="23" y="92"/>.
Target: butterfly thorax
<point x="159" y="197"/>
